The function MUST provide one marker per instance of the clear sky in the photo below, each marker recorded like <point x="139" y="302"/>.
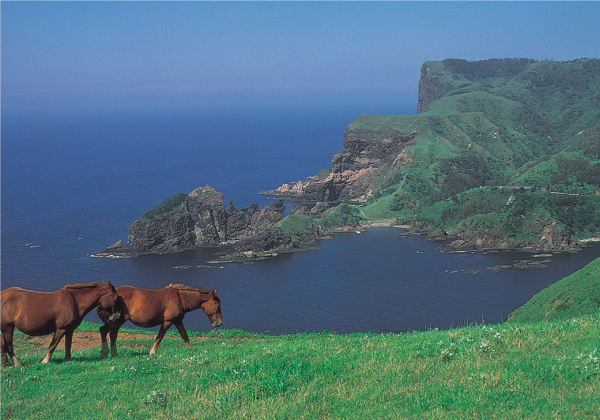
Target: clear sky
<point x="149" y="54"/>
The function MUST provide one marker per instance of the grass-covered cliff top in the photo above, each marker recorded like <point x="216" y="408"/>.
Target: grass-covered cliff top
<point x="505" y="371"/>
<point x="573" y="296"/>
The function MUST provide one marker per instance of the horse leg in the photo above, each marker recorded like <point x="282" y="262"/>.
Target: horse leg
<point x="68" y="343"/>
<point x="161" y="333"/>
<point x="7" y="347"/>
<point x="114" y="332"/>
<point x="103" y="333"/>
<point x="58" y="334"/>
<point x="183" y="334"/>
<point x="4" y="355"/>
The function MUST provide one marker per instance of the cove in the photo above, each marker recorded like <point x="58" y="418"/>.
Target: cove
<point x="369" y="282"/>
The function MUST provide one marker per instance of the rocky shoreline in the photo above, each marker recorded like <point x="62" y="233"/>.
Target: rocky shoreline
<point x="199" y="219"/>
<point x="248" y="234"/>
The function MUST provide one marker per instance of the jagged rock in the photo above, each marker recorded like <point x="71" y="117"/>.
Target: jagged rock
<point x="269" y="215"/>
<point x="269" y="243"/>
<point x="188" y="221"/>
<point x="355" y="173"/>
<point x="240" y="222"/>
<point x="299" y="209"/>
<point x="437" y="235"/>
<point x="319" y="209"/>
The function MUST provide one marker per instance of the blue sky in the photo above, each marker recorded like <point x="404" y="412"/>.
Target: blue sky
<point x="62" y="55"/>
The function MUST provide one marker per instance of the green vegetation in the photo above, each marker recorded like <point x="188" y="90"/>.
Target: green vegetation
<point x="301" y="226"/>
<point x="323" y="173"/>
<point x="170" y="206"/>
<point x="297" y="225"/>
<point x="515" y="370"/>
<point x="498" y="123"/>
<point x="572" y="296"/>
<point x="341" y="215"/>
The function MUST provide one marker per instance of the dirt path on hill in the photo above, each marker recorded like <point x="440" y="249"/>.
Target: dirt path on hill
<point x="91" y="340"/>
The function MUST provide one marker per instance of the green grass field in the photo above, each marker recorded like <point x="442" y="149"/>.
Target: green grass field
<point x="512" y="370"/>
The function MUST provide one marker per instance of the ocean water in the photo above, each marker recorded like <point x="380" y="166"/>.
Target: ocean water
<point x="72" y="183"/>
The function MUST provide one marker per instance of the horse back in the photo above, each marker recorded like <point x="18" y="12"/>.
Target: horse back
<point x="36" y="313"/>
<point x="150" y="307"/>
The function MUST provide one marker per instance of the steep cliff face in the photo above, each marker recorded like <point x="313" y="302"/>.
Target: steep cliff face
<point x="188" y="221"/>
<point x="431" y="87"/>
<point x="355" y="173"/>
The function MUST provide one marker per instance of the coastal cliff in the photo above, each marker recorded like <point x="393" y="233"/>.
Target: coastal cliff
<point x="502" y="154"/>
<point x="366" y="156"/>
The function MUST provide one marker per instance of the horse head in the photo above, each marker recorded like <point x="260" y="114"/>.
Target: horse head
<point x="212" y="309"/>
<point x="110" y="303"/>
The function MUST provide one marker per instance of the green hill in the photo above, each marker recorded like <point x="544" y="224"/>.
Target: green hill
<point x="574" y="296"/>
<point x="485" y="129"/>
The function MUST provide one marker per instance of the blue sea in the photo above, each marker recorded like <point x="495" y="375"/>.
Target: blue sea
<point x="73" y="181"/>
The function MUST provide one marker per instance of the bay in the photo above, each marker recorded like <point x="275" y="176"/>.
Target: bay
<point x="73" y="182"/>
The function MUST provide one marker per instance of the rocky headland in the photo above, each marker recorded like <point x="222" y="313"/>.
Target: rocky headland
<point x="200" y="219"/>
<point x="502" y="155"/>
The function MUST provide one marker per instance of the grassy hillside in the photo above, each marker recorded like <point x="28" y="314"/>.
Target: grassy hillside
<point x="508" y="371"/>
<point x="570" y="297"/>
<point x="499" y="123"/>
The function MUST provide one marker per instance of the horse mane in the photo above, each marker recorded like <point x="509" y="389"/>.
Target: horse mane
<point x="189" y="295"/>
<point x="82" y="285"/>
<point x="184" y="288"/>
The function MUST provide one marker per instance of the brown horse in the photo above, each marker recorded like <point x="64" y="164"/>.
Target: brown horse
<point x="167" y="306"/>
<point x="59" y="312"/>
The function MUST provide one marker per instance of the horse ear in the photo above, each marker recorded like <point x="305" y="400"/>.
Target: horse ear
<point x="214" y="292"/>
<point x="111" y="287"/>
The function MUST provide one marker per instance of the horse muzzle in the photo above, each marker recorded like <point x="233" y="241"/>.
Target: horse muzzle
<point x="115" y="316"/>
<point x="217" y="323"/>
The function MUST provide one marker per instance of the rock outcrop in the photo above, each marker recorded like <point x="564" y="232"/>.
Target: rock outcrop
<point x="355" y="173"/>
<point x="189" y="221"/>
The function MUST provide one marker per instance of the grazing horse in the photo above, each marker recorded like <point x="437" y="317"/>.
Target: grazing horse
<point x="59" y="312"/>
<point x="167" y="306"/>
